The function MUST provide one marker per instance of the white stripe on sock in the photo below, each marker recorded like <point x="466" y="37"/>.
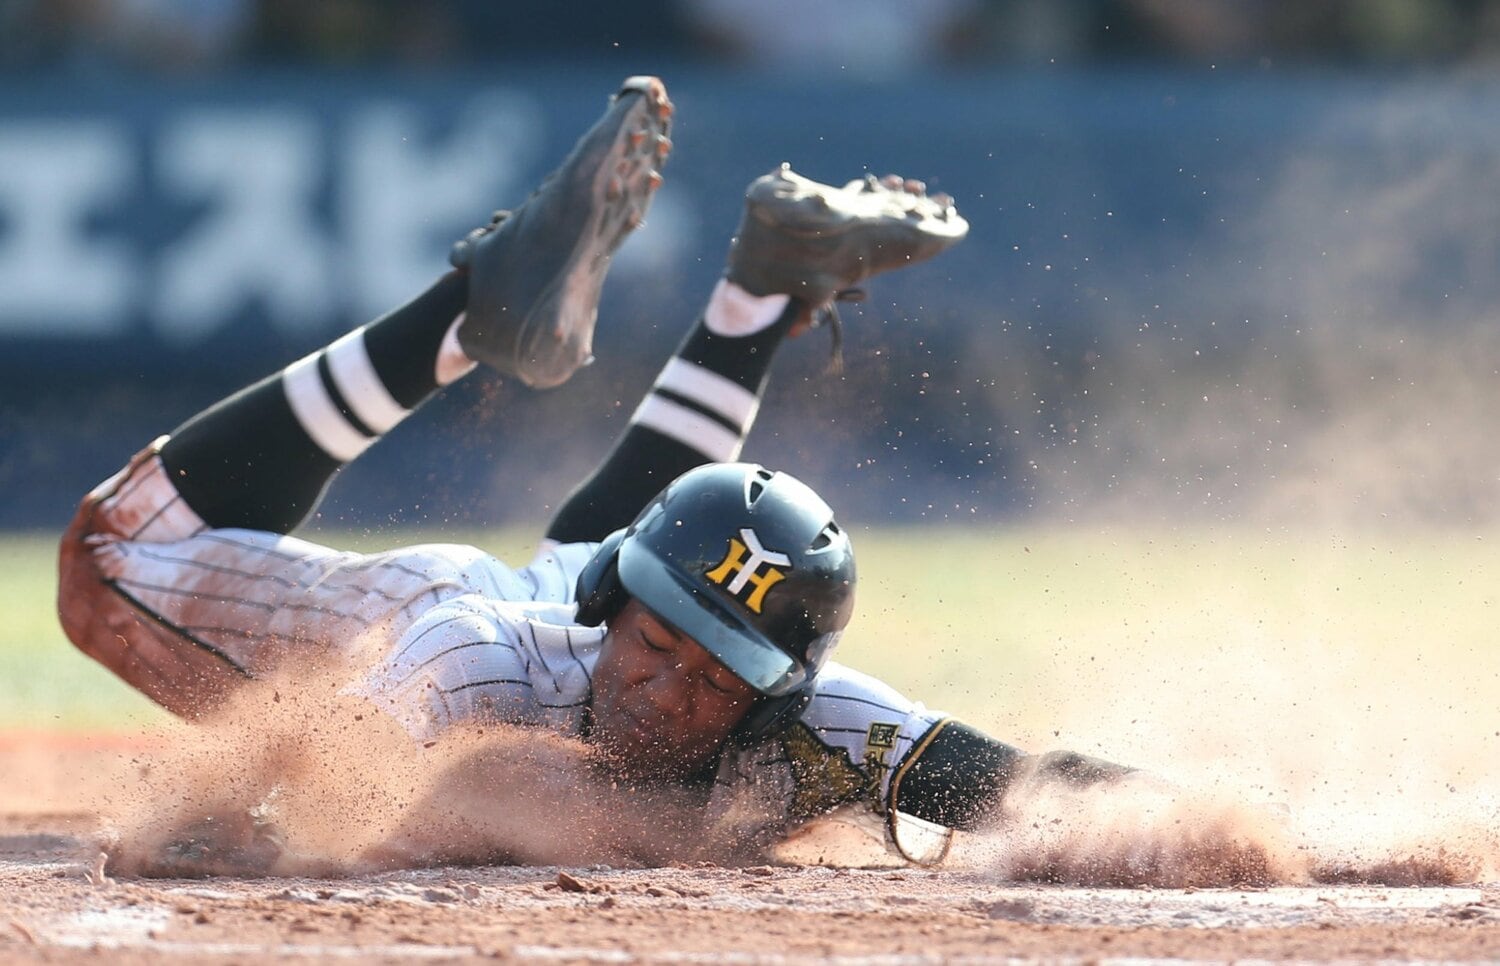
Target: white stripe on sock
<point x="710" y="390"/>
<point x="688" y="427"/>
<point x="452" y="362"/>
<point x="355" y="375"/>
<point x="733" y="311"/>
<point x="315" y="410"/>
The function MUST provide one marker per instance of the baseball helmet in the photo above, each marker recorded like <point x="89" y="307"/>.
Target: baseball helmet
<point x="748" y="563"/>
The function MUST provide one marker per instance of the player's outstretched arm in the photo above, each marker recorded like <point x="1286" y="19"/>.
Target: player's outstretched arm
<point x="959" y="777"/>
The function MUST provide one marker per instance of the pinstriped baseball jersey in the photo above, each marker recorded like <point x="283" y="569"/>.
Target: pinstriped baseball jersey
<point x="458" y="636"/>
<point x="478" y="659"/>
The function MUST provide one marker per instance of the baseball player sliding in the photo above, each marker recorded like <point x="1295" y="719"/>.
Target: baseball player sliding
<point x="681" y="613"/>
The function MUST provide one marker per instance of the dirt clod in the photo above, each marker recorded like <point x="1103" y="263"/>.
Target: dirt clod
<point x="568" y="883"/>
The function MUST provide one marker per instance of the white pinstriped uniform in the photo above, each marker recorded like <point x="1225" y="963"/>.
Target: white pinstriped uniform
<point x="457" y="636"/>
<point x="474" y="658"/>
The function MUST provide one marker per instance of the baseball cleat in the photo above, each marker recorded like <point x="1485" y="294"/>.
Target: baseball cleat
<point x="814" y="241"/>
<point x="535" y="272"/>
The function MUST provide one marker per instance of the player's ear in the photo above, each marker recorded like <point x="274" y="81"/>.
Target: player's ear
<point x="599" y="593"/>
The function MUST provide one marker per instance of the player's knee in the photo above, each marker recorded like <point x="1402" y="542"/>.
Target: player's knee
<point x="78" y="581"/>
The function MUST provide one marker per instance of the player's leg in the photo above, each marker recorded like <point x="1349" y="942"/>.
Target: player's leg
<point x="523" y="301"/>
<point x="173" y="573"/>
<point x="699" y="410"/>
<point x="799" y="246"/>
<point x="261" y="458"/>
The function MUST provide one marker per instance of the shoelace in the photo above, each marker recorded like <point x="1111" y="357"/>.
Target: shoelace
<point x="829" y="315"/>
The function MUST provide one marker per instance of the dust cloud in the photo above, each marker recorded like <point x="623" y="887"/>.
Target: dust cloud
<point x="1331" y="357"/>
<point x="1132" y="836"/>
<point x="298" y="778"/>
<point x="1372" y="741"/>
<point x="1295" y="497"/>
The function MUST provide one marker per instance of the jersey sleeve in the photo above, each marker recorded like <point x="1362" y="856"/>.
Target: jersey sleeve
<point x="856" y="732"/>
<point x="474" y="659"/>
<point x="552" y="575"/>
<point x="862" y="739"/>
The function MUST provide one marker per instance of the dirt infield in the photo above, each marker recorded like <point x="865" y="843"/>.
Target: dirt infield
<point x="55" y="906"/>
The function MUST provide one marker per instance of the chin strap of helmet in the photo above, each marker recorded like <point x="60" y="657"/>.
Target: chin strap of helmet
<point x="599" y="593"/>
<point x="771" y="716"/>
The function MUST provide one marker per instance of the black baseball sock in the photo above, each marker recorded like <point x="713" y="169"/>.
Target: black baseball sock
<point x="698" y="411"/>
<point x="262" y="458"/>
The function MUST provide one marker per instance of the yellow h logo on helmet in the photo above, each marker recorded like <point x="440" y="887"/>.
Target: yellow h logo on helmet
<point x="744" y="561"/>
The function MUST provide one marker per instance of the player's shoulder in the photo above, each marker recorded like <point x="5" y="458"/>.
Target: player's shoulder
<point x="481" y="617"/>
<point x="502" y="613"/>
<point x="838" y="684"/>
<point x="552" y="574"/>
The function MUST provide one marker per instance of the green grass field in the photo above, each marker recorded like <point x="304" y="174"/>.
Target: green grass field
<point x="1045" y="635"/>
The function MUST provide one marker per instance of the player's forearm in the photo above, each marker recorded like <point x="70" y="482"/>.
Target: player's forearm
<point x="960" y="777"/>
<point x="956" y="776"/>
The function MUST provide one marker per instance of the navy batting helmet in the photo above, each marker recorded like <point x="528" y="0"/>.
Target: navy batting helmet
<point x="748" y="563"/>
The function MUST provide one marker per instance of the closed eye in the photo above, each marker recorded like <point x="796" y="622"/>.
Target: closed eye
<point x="663" y="648"/>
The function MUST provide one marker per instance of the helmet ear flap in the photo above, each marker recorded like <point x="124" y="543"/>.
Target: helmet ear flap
<point x="599" y="593"/>
<point x="772" y="716"/>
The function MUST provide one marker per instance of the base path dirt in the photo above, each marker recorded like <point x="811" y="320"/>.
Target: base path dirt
<point x="55" y="906"/>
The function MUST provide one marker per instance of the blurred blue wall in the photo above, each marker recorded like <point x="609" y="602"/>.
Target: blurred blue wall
<point x="162" y="243"/>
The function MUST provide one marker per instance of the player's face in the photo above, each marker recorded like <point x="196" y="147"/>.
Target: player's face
<point x="663" y="706"/>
